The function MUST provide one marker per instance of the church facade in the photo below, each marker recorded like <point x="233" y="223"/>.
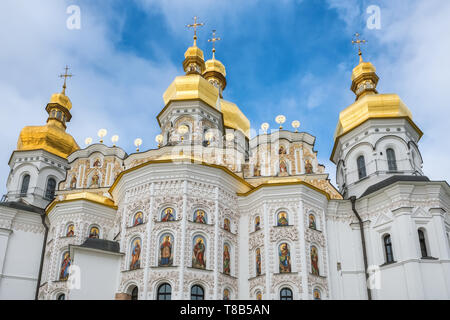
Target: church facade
<point x="215" y="214"/>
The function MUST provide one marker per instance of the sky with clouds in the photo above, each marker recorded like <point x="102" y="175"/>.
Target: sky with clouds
<point x="291" y="56"/>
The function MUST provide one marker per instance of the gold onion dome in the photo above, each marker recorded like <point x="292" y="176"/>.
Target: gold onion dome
<point x="194" y="62"/>
<point x="51" y="137"/>
<point x="234" y="118"/>
<point x="216" y="74"/>
<point x="369" y="104"/>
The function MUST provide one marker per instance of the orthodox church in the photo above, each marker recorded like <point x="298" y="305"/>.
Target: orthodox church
<point x="213" y="213"/>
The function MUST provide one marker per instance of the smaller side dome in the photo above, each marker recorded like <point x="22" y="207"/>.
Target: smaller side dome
<point x="364" y="79"/>
<point x="62" y="100"/>
<point x="216" y="74"/>
<point x="194" y="62"/>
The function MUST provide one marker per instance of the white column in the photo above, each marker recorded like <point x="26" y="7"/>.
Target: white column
<point x="216" y="245"/>
<point x="325" y="251"/>
<point x="183" y="241"/>
<point x="148" y="229"/>
<point x="266" y="246"/>
<point x="302" y="244"/>
<point x="296" y="161"/>
<point x="4" y="237"/>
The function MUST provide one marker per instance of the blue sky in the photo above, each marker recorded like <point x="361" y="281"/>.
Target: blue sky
<point x="291" y="56"/>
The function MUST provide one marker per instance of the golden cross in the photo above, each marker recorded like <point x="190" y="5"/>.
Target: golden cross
<point x="213" y="40"/>
<point x="65" y="76"/>
<point x="195" y="26"/>
<point x="359" y="42"/>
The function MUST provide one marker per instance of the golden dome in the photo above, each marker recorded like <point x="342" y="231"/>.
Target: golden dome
<point x="191" y="87"/>
<point x="364" y="67"/>
<point x="214" y="65"/>
<point x="234" y="118"/>
<point x="194" y="62"/>
<point x="194" y="51"/>
<point x="50" y="137"/>
<point x="61" y="99"/>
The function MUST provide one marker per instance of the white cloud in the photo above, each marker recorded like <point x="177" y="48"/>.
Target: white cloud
<point x="109" y="88"/>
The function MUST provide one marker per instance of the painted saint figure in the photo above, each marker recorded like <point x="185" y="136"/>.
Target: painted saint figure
<point x="136" y="255"/>
<point x="312" y="222"/>
<point x="226" y="294"/>
<point x="200" y="216"/>
<point x="308" y="167"/>
<point x="257" y="223"/>
<point x="198" y="257"/>
<point x="97" y="163"/>
<point x="282" y="219"/>
<point x="73" y="183"/>
<point x="70" y="231"/>
<point x="94" y="233"/>
<point x="258" y="262"/>
<point x="138" y="219"/>
<point x="226" y="224"/>
<point x="285" y="258"/>
<point x="317" y="295"/>
<point x="95" y="181"/>
<point x="314" y="261"/>
<point x="167" y="215"/>
<point x="65" y="264"/>
<point x="258" y="295"/>
<point x="226" y="259"/>
<point x="283" y="167"/>
<point x="166" y="251"/>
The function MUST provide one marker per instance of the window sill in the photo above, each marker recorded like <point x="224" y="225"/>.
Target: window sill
<point x="317" y="275"/>
<point x="388" y="263"/>
<point x="429" y="258"/>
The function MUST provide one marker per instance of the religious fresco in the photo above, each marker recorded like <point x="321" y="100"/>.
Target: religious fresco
<point x="200" y="216"/>
<point x="308" y="167"/>
<point x="282" y="150"/>
<point x="258" y="295"/>
<point x="135" y="254"/>
<point x="199" y="253"/>
<point x="258" y="262"/>
<point x="226" y="224"/>
<point x="285" y="258"/>
<point x="317" y="294"/>
<point x="226" y="294"/>
<point x="282" y="220"/>
<point x="312" y="222"/>
<point x="95" y="181"/>
<point x="138" y="219"/>
<point x="70" y="231"/>
<point x="257" y="223"/>
<point x="168" y="214"/>
<point x="73" y="182"/>
<point x="94" y="233"/>
<point x="65" y="264"/>
<point x="97" y="163"/>
<point x="226" y="259"/>
<point x="314" y="261"/>
<point x="283" y="167"/>
<point x="166" y="250"/>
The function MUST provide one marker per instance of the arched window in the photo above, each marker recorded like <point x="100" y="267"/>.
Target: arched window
<point x="312" y="221"/>
<point x="50" y="190"/>
<point x="317" y="295"/>
<point x="61" y="296"/>
<point x="423" y="244"/>
<point x="197" y="293"/>
<point x="257" y="223"/>
<point x="388" y="249"/>
<point x="361" y="163"/>
<point x="226" y="224"/>
<point x="164" y="292"/>
<point x="25" y="184"/>
<point x="135" y="293"/>
<point x="392" y="162"/>
<point x="286" y="294"/>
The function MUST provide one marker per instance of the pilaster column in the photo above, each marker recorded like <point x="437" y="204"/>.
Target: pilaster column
<point x="183" y="241"/>
<point x="266" y="251"/>
<point x="148" y="229"/>
<point x="302" y="245"/>
<point x="216" y="244"/>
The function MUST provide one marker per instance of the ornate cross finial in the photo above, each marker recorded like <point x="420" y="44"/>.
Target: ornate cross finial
<point x="195" y="26"/>
<point x="359" y="42"/>
<point x="65" y="76"/>
<point x="213" y="40"/>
